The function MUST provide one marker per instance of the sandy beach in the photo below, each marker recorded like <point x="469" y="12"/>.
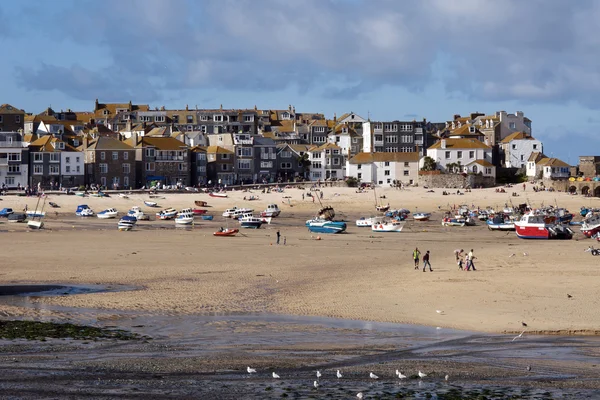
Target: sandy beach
<point x="357" y="275"/>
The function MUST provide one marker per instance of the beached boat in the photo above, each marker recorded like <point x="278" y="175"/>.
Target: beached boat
<point x="35" y="221"/>
<point x="421" y="216"/>
<point x="80" y="194"/>
<point x="382" y="208"/>
<point x="107" y="214"/>
<point x="17" y="217"/>
<point x="387" y="226"/>
<point x="228" y="213"/>
<point x="226" y="232"/>
<point x="251" y="198"/>
<point x="84" y="211"/>
<point x="201" y="203"/>
<point x="207" y="217"/>
<point x="500" y="222"/>
<point x="532" y="226"/>
<point x="123" y="196"/>
<point x="456" y="221"/>
<point x="591" y="226"/>
<point x="251" y="222"/>
<point x="126" y="223"/>
<point x="217" y="194"/>
<point x="5" y="212"/>
<point x="198" y="211"/>
<point x="184" y="217"/>
<point x="167" y="213"/>
<point x="483" y="215"/>
<point x="137" y="212"/>
<point x="149" y="203"/>
<point x="272" y="210"/>
<point x="320" y="225"/>
<point x="563" y="215"/>
<point x="364" y="222"/>
<point x="35" y="213"/>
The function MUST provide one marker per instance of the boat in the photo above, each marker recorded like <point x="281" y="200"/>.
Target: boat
<point x="5" y="212"/>
<point x="150" y="203"/>
<point x="364" y="222"/>
<point x="226" y="232"/>
<point x="201" y="203"/>
<point x="250" y="222"/>
<point x="185" y="217"/>
<point x="199" y="211"/>
<point x="34" y="223"/>
<point x="53" y="205"/>
<point x="167" y="213"/>
<point x="535" y="226"/>
<point x="382" y="208"/>
<point x="399" y="215"/>
<point x="421" y="216"/>
<point x="266" y="220"/>
<point x="563" y="215"/>
<point x="387" y="226"/>
<point x="231" y="212"/>
<point x="500" y="222"/>
<point x="320" y="225"/>
<point x="123" y="196"/>
<point x="84" y="211"/>
<point x="80" y="194"/>
<point x="17" y="217"/>
<point x="207" y="217"/>
<point x="35" y="214"/>
<point x="327" y="213"/>
<point x="218" y="194"/>
<point x="453" y="221"/>
<point x="272" y="210"/>
<point x="137" y="212"/>
<point x="98" y="194"/>
<point x="107" y="214"/>
<point x="251" y="198"/>
<point x="591" y="225"/>
<point x="126" y="223"/>
<point x="240" y="212"/>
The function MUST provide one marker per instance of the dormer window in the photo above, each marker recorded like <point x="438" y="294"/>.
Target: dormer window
<point x="105" y="112"/>
<point x="472" y="129"/>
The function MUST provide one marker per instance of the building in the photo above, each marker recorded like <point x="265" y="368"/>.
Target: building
<point x="265" y="159"/>
<point x="533" y="169"/>
<point x="326" y="162"/>
<point x="12" y="119"/>
<point x="161" y="159"/>
<point x="54" y="164"/>
<point x="198" y="161"/>
<point x="395" y="136"/>
<point x="114" y="115"/>
<point x="517" y="147"/>
<point x="384" y="168"/>
<point x="463" y="155"/>
<point x="14" y="160"/>
<point x="589" y="166"/>
<point x="220" y="166"/>
<point x="293" y="161"/>
<point x="109" y="163"/>
<point x="540" y="166"/>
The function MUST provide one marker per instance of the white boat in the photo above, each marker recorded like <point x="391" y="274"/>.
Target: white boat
<point x="35" y="214"/>
<point x="167" y="213"/>
<point x="123" y="196"/>
<point x="84" y="211"/>
<point x="321" y="225"/>
<point x="272" y="210"/>
<point x="387" y="226"/>
<point x="422" y="216"/>
<point x="250" y="222"/>
<point x="107" y="214"/>
<point x="364" y="222"/>
<point x="137" y="212"/>
<point x="150" y="203"/>
<point x="32" y="224"/>
<point x="126" y="223"/>
<point x="240" y="212"/>
<point x="228" y="213"/>
<point x="184" y="217"/>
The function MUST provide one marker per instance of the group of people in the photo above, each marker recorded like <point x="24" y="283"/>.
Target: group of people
<point x="463" y="260"/>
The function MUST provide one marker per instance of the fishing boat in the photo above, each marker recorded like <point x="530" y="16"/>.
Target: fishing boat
<point x="35" y="214"/>
<point x="534" y="226"/>
<point x="17" y="217"/>
<point x="123" y="196"/>
<point x="266" y="220"/>
<point x="149" y="203"/>
<point x="137" y="212"/>
<point x="500" y="222"/>
<point x="251" y="222"/>
<point x="167" y="213"/>
<point x="218" y="194"/>
<point x="251" y="198"/>
<point x="35" y="222"/>
<point x="399" y="214"/>
<point x="226" y="232"/>
<point x="107" y="214"/>
<point x="228" y="213"/>
<point x="563" y="215"/>
<point x="126" y="223"/>
<point x="591" y="226"/>
<point x="207" y="217"/>
<point x="198" y="211"/>
<point x="184" y="217"/>
<point x="387" y="226"/>
<point x="453" y="221"/>
<point x="84" y="211"/>
<point x="364" y="222"/>
<point x="272" y="210"/>
<point x="240" y="212"/>
<point x="421" y="216"/>
<point x="483" y="215"/>
<point x="320" y="225"/>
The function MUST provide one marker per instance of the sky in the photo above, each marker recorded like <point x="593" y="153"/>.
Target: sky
<point x="383" y="59"/>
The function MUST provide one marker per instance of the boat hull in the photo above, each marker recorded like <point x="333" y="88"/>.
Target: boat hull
<point x="220" y="195"/>
<point x="325" y="226"/>
<point x="364" y="222"/>
<point x="150" y="204"/>
<point x="35" y="224"/>
<point x="226" y="233"/>
<point x="251" y="225"/>
<point x="184" y="221"/>
<point x="501" y="227"/>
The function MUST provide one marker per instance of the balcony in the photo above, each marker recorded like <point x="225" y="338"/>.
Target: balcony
<point x="167" y="158"/>
<point x="8" y="144"/>
<point x="419" y="142"/>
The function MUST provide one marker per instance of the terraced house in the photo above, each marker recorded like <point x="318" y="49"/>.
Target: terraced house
<point x="327" y="162"/>
<point x="14" y="160"/>
<point x="54" y="163"/>
<point x="109" y="163"/>
<point x="11" y="118"/>
<point x="161" y="159"/>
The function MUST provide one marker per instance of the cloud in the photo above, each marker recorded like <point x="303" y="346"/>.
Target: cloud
<point x="538" y="50"/>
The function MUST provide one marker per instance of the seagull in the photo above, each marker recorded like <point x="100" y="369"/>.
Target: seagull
<point x="359" y="395"/>
<point x="518" y="336"/>
<point x="512" y="255"/>
<point x="318" y="374"/>
<point x="438" y="328"/>
<point x="251" y="370"/>
<point x="529" y="368"/>
<point x="446" y="378"/>
<point x="524" y="324"/>
<point x="316" y="384"/>
<point x="373" y="376"/>
<point x="275" y="376"/>
<point x="338" y="374"/>
<point x="439" y="311"/>
<point x="569" y="296"/>
<point x="525" y="254"/>
<point x="401" y="375"/>
<point x="422" y="375"/>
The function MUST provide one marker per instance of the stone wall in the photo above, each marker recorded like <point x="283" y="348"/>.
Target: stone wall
<point x="455" y="181"/>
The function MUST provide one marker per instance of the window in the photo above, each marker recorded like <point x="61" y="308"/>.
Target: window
<point x="319" y="129"/>
<point x="189" y="119"/>
<point x="14" y="169"/>
<point x="78" y="168"/>
<point x="54" y="170"/>
<point x="317" y="165"/>
<point x="224" y="156"/>
<point x="336" y="161"/>
<point x="390" y="127"/>
<point x="391" y="139"/>
<point x="126" y="181"/>
<point x="488" y="171"/>
<point x="125" y="156"/>
<point x="406" y="139"/>
<point x="406" y="127"/>
<point x="266" y="164"/>
<point x="243" y="164"/>
<point x="522" y="157"/>
<point x="190" y="128"/>
<point x="406" y="172"/>
<point x="204" y="118"/>
<point x="359" y="166"/>
<point x="14" y="156"/>
<point x="386" y="172"/>
<point x="115" y="155"/>
<point x="379" y="138"/>
<point x="103" y="168"/>
<point x="203" y="129"/>
<point x="406" y="164"/>
<point x="286" y="154"/>
<point x="9" y="180"/>
<point x="391" y="150"/>
<point x="149" y="153"/>
<point x="359" y="175"/>
<point x="512" y="125"/>
<point x="68" y="160"/>
<point x="244" y="152"/>
<point x="175" y="118"/>
<point x="459" y="154"/>
<point x="474" y="169"/>
<point x="218" y="118"/>
<point x="17" y="119"/>
<point x="149" y="166"/>
<point x="535" y="146"/>
<point x="102" y="155"/>
<point x="406" y="149"/>
<point x="126" y="168"/>
<point x="286" y="165"/>
<point x="224" y="167"/>
<point x="68" y="169"/>
<point x="386" y="164"/>
<point x="54" y="157"/>
<point x="159" y="118"/>
<point x="1" y="119"/>
<point x="471" y="154"/>
<point x="514" y="146"/>
<point x="354" y="140"/>
<point x="181" y="167"/>
<point x="248" y="118"/>
<point x="447" y="155"/>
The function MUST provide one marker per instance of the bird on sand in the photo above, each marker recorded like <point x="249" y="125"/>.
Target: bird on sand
<point x="525" y="254"/>
<point x="251" y="370"/>
<point x="569" y="296"/>
<point x="275" y="376"/>
<point x="400" y="375"/>
<point x="316" y="384"/>
<point x="529" y="368"/>
<point x="446" y="378"/>
<point x="518" y="336"/>
<point x="422" y="375"/>
<point x="524" y="324"/>
<point x="373" y="376"/>
<point x="338" y="374"/>
<point x="318" y="374"/>
<point x="359" y="395"/>
<point x="439" y="311"/>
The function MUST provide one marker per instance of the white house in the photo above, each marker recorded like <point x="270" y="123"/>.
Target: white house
<point x="517" y="147"/>
<point x="59" y="127"/>
<point x="553" y="168"/>
<point x="72" y="167"/>
<point x="384" y="168"/>
<point x="532" y="167"/>
<point x="326" y="162"/>
<point x="469" y="155"/>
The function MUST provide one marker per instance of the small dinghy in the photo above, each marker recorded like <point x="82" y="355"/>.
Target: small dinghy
<point x="226" y="232"/>
<point x="107" y="214"/>
<point x="421" y="216"/>
<point x="150" y="203"/>
<point x="221" y="195"/>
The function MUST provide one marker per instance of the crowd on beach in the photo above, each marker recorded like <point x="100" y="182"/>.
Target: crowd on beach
<point x="463" y="260"/>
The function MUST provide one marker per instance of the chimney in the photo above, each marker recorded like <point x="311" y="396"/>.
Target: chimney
<point x="96" y="105"/>
<point x="443" y="143"/>
<point x="186" y="108"/>
<point x="456" y="116"/>
<point x="334" y="117"/>
<point x="128" y="125"/>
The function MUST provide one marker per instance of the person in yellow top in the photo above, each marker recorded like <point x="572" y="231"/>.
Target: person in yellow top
<point x="416" y="256"/>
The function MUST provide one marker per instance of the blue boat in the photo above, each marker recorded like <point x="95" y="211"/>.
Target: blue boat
<point x="84" y="211"/>
<point x="319" y="225"/>
<point x="126" y="223"/>
<point x="207" y="217"/>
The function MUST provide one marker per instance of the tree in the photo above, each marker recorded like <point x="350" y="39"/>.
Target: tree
<point x="429" y="164"/>
<point x="304" y="162"/>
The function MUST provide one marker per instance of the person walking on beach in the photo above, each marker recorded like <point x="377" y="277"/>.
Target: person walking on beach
<point x="416" y="255"/>
<point x="426" y="261"/>
<point x="470" y="258"/>
<point x="459" y="257"/>
<point x="278" y="236"/>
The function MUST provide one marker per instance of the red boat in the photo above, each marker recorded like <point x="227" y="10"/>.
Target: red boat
<point x="198" y="211"/>
<point x="532" y="226"/>
<point x="591" y="226"/>
<point x="226" y="232"/>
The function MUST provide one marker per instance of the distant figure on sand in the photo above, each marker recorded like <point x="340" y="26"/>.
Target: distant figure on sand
<point x="278" y="236"/>
<point x="470" y="258"/>
<point x="459" y="257"/>
<point x="426" y="262"/>
<point x="416" y="255"/>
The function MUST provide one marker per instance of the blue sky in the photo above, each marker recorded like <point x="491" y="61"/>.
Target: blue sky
<point x="389" y="59"/>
